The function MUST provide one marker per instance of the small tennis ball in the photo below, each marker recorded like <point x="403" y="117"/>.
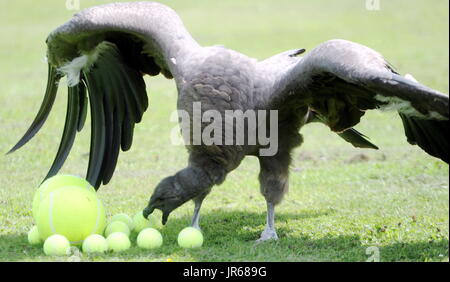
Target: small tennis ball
<point x="118" y="242"/>
<point x="124" y="218"/>
<point x="149" y="238"/>
<point x="117" y="226"/>
<point x="57" y="245"/>
<point x="56" y="182"/>
<point x="33" y="236"/>
<point x="73" y="212"/>
<point x="140" y="222"/>
<point x="95" y="244"/>
<point x="190" y="237"/>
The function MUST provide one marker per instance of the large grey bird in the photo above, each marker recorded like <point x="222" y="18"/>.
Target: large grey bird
<point x="105" y="50"/>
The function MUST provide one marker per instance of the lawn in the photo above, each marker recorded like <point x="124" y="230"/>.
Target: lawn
<point x="341" y="201"/>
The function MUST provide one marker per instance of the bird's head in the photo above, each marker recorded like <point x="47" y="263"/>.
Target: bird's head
<point x="168" y="195"/>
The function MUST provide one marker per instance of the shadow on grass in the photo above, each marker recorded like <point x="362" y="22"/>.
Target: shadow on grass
<point x="230" y="235"/>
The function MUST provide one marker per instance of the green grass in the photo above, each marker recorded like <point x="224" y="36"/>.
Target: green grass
<point x="339" y="202"/>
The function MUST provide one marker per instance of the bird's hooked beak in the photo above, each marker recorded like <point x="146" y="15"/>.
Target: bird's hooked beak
<point x="148" y="211"/>
<point x="151" y="207"/>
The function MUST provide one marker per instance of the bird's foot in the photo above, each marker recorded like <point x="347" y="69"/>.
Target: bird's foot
<point x="267" y="234"/>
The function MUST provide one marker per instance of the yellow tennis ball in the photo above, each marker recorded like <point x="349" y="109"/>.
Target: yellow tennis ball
<point x="140" y="222"/>
<point x="95" y="244"/>
<point x="190" y="237"/>
<point x="117" y="226"/>
<point x="124" y="218"/>
<point x="149" y="238"/>
<point x="56" y="182"/>
<point x="73" y="212"/>
<point x="118" y="242"/>
<point x="33" y="236"/>
<point x="57" y="245"/>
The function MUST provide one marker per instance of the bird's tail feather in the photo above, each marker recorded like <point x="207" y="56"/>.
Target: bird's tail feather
<point x="430" y="135"/>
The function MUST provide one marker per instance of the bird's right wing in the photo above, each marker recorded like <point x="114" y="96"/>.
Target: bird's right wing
<point x="104" y="51"/>
<point x="339" y="80"/>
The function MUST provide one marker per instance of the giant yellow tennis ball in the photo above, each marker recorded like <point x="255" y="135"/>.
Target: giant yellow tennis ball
<point x="33" y="236"/>
<point x="56" y="245"/>
<point x="149" y="238"/>
<point x="118" y="242"/>
<point x="117" y="226"/>
<point x="140" y="222"/>
<point x="56" y="182"/>
<point x="95" y="244"/>
<point x="71" y="211"/>
<point x="190" y="237"/>
<point x="124" y="218"/>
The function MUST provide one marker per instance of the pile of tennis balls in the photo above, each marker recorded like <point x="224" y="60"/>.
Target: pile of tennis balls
<point x="68" y="213"/>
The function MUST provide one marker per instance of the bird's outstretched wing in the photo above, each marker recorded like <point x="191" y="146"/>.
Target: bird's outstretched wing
<point x="339" y="80"/>
<point x="104" y="51"/>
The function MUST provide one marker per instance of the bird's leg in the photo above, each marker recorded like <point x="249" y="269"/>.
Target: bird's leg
<point x="273" y="178"/>
<point x="269" y="232"/>
<point x="196" y="217"/>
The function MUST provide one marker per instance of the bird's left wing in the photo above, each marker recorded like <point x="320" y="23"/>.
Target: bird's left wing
<point x="104" y="51"/>
<point x="339" y="80"/>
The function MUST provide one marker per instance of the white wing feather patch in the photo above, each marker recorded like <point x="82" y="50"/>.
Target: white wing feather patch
<point x="397" y="104"/>
<point x="72" y="69"/>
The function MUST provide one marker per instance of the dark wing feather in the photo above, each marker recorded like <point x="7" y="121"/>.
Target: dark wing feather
<point x="98" y="131"/>
<point x="83" y="104"/>
<point x="339" y="80"/>
<point x="70" y="130"/>
<point x="351" y="135"/>
<point x="116" y="92"/>
<point x="357" y="139"/>
<point x="44" y="110"/>
<point x="430" y="135"/>
<point x="110" y="47"/>
<point x="118" y="100"/>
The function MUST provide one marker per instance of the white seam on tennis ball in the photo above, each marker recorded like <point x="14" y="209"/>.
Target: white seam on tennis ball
<point x="52" y="228"/>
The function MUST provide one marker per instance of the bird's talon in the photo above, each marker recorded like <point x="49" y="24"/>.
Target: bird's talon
<point x="266" y="235"/>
